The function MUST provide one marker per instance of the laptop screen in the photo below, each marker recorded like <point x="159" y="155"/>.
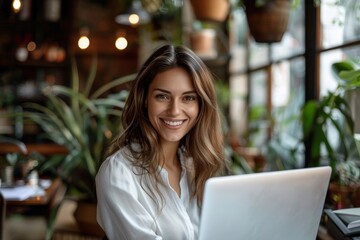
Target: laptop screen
<point x="271" y="205"/>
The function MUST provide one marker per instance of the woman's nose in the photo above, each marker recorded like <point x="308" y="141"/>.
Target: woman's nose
<point x="174" y="107"/>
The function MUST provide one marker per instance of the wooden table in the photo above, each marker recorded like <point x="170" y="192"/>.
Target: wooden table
<point x="54" y="193"/>
<point x="46" y="149"/>
<point x="42" y="204"/>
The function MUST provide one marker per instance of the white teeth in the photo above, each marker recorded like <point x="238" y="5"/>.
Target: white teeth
<point x="171" y="123"/>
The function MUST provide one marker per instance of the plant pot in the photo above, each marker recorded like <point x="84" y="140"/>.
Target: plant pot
<point x="210" y="10"/>
<point x="203" y="43"/>
<point x="268" y="23"/>
<point x="343" y="196"/>
<point x="85" y="216"/>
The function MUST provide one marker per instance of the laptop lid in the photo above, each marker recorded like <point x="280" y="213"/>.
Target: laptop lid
<point x="275" y="205"/>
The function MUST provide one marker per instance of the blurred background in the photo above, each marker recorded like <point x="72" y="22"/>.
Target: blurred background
<point x="279" y="87"/>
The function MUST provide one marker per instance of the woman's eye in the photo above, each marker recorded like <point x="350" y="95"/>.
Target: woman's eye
<point x="162" y="97"/>
<point x="190" y="98"/>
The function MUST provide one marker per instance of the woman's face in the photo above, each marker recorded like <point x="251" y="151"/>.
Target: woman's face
<point x="172" y="104"/>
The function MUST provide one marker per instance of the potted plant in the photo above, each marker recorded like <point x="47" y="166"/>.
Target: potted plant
<point x="323" y="121"/>
<point x="344" y="192"/>
<point x="10" y="161"/>
<point x="267" y="19"/>
<point x="214" y="10"/>
<point x="333" y="114"/>
<point x="332" y="111"/>
<point x="203" y="40"/>
<point x="83" y="122"/>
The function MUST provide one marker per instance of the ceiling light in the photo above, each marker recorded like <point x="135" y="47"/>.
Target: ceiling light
<point x="121" y="43"/>
<point x="84" y="41"/>
<point x="16" y="5"/>
<point x="136" y="15"/>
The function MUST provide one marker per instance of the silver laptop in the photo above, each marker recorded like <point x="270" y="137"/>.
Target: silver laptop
<point x="275" y="205"/>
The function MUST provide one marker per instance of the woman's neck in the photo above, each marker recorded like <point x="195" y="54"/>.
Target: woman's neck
<point x="170" y="154"/>
<point x="173" y="166"/>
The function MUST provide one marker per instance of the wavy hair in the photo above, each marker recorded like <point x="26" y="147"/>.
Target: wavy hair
<point x="204" y="142"/>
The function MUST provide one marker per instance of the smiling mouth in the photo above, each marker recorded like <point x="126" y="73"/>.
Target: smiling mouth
<point x="173" y="123"/>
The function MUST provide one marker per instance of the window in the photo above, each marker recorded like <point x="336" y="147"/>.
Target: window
<point x="267" y="81"/>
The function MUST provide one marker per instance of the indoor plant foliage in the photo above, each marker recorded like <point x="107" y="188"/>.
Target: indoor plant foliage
<point x="324" y="121"/>
<point x="329" y="125"/>
<point x="83" y="122"/>
<point x="333" y="112"/>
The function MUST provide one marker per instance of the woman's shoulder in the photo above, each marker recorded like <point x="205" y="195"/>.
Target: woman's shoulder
<point x="116" y="168"/>
<point x="119" y="159"/>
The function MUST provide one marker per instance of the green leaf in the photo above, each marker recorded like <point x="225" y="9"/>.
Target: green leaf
<point x="91" y="77"/>
<point x="342" y="66"/>
<point x="317" y="140"/>
<point x="345" y="110"/>
<point x="49" y="121"/>
<point x="309" y="111"/>
<point x="347" y="74"/>
<point x="115" y="83"/>
<point x="109" y="103"/>
<point x="67" y="115"/>
<point x="336" y="124"/>
<point x="82" y="100"/>
<point x="353" y="77"/>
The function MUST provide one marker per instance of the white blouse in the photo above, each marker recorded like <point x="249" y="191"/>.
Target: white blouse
<point x="126" y="211"/>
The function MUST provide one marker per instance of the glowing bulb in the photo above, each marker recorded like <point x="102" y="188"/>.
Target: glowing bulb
<point x="16" y="5"/>
<point x="121" y="43"/>
<point x="31" y="46"/>
<point x="83" y="42"/>
<point x="134" y="19"/>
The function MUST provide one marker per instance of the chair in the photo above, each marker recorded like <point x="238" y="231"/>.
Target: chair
<point x="2" y="215"/>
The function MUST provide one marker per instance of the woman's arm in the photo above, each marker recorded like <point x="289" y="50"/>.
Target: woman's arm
<point x="119" y="212"/>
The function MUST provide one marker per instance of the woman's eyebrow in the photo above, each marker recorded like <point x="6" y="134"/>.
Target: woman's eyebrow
<point x="166" y="91"/>
<point x="161" y="90"/>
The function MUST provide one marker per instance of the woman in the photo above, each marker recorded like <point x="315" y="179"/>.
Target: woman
<point x="151" y="184"/>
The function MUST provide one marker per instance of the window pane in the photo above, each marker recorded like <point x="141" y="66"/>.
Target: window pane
<point x="288" y="86"/>
<point x="258" y="124"/>
<point x="292" y="42"/>
<point x="280" y="91"/>
<point x="238" y="103"/>
<point x="238" y="31"/>
<point x="259" y="54"/>
<point x="340" y="22"/>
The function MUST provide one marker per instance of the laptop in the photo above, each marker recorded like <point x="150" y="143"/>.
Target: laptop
<point x="275" y="205"/>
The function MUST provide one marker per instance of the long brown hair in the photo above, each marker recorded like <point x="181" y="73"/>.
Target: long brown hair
<point x="204" y="143"/>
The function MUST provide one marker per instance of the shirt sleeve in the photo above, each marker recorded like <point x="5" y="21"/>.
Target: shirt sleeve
<point x="119" y="212"/>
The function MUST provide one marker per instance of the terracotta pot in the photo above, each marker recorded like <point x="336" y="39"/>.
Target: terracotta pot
<point x="85" y="216"/>
<point x="203" y="43"/>
<point x="341" y="196"/>
<point x="210" y="10"/>
<point x="268" y="23"/>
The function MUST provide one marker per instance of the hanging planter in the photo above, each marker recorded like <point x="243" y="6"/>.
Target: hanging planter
<point x="210" y="10"/>
<point x="268" y="22"/>
<point x="203" y="43"/>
